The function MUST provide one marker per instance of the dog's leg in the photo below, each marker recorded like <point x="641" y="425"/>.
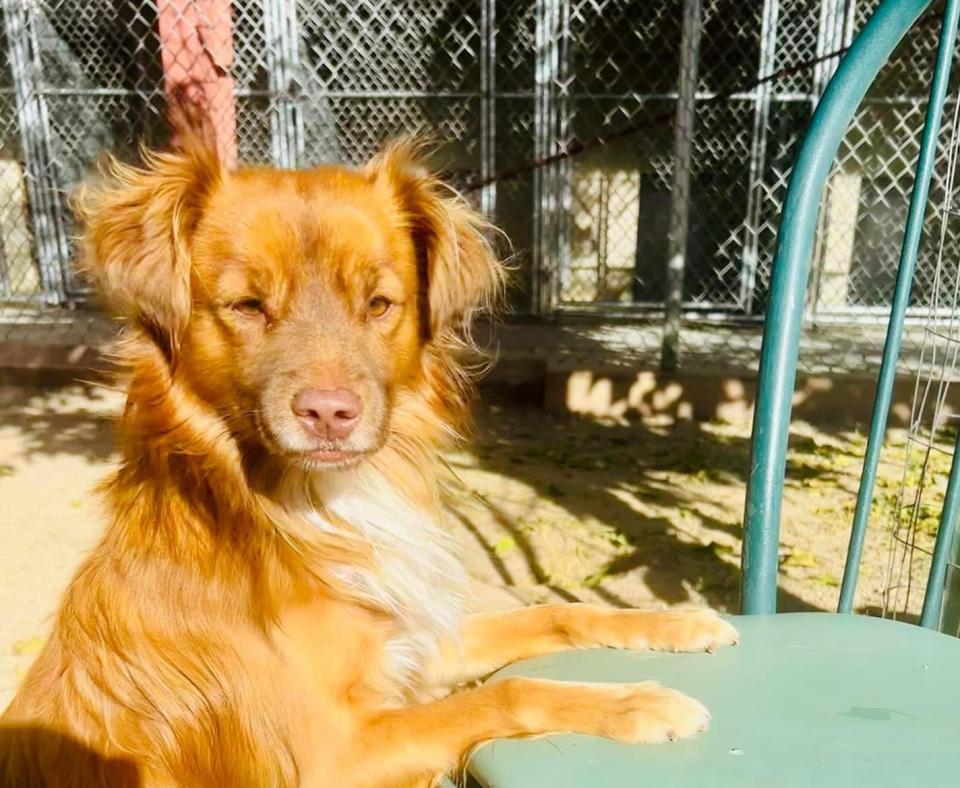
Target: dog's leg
<point x="489" y="641"/>
<point x="403" y="745"/>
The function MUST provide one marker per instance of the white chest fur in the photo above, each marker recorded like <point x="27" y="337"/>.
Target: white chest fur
<point x="417" y="578"/>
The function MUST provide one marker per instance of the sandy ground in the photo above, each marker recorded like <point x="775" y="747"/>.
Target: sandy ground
<point x="547" y="508"/>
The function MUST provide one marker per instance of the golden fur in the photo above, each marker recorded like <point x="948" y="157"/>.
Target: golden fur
<point x="265" y="609"/>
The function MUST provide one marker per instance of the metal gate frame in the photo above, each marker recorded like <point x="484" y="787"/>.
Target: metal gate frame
<point x="43" y="180"/>
<point x="553" y="101"/>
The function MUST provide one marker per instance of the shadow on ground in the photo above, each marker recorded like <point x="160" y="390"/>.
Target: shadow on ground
<point x="668" y="499"/>
<point x="76" y="420"/>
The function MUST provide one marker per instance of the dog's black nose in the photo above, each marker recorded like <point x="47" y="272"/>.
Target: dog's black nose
<point x="328" y="413"/>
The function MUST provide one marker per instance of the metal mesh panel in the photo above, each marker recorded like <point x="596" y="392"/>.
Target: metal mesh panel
<point x="916" y="511"/>
<point x="796" y="39"/>
<point x="721" y="184"/>
<point x="865" y="206"/>
<point x="611" y="259"/>
<point x="730" y="45"/>
<point x="564" y="109"/>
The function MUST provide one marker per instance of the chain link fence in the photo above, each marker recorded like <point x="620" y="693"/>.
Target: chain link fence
<point x="560" y="117"/>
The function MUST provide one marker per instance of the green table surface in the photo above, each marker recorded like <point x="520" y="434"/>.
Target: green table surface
<point x="806" y="699"/>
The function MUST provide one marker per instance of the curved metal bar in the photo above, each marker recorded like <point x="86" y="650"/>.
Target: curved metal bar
<point x="891" y="348"/>
<point x="778" y="356"/>
<point x="933" y="599"/>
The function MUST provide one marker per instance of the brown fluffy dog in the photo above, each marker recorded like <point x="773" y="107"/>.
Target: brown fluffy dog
<point x="274" y="602"/>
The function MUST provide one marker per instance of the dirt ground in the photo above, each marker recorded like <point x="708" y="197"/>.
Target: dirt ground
<point x="546" y="507"/>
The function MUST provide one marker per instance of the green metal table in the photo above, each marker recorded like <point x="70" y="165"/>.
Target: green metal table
<point x="806" y="699"/>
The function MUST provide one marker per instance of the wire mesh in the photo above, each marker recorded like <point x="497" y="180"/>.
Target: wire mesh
<point x="500" y="85"/>
<point x="931" y="438"/>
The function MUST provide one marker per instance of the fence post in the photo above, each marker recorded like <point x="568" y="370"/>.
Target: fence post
<point x="563" y="169"/>
<point x="282" y="33"/>
<point x="833" y="253"/>
<point x="488" y="106"/>
<point x="551" y="183"/>
<point x="832" y="32"/>
<point x="758" y="154"/>
<point x="542" y="259"/>
<point x="43" y="185"/>
<point x="680" y="193"/>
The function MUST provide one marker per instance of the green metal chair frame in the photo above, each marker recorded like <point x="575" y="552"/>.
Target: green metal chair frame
<point x="807" y="698"/>
<point x="781" y="340"/>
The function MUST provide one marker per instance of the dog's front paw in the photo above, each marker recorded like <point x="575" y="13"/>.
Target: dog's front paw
<point x="650" y="714"/>
<point x="676" y="630"/>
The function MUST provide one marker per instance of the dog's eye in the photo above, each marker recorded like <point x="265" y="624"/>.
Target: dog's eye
<point x="248" y="307"/>
<point x="379" y="306"/>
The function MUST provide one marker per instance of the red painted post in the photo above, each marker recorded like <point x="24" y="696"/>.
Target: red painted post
<point x="196" y="47"/>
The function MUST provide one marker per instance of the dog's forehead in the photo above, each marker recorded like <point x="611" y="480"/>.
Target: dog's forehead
<point x="322" y="214"/>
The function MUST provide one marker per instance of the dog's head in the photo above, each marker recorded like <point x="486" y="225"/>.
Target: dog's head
<point x="301" y="306"/>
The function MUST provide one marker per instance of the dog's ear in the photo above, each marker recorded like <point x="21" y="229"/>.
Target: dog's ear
<point x="459" y="271"/>
<point x="136" y="227"/>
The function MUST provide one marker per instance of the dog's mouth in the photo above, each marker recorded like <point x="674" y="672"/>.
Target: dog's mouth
<point x="328" y="458"/>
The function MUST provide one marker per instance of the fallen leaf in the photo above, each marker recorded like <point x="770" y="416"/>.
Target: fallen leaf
<point x="29" y="646"/>
<point x="800" y="558"/>
<point x="826" y="579"/>
<point x="504" y="545"/>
